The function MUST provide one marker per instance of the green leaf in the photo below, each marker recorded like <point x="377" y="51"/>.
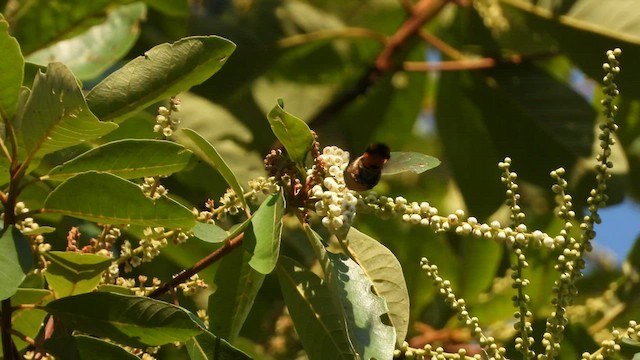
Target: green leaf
<point x="207" y="346"/>
<point x="129" y="320"/>
<point x="82" y="347"/>
<point x="319" y="323"/>
<point x="39" y="231"/>
<point x="176" y="8"/>
<point x="383" y="269"/>
<point x="237" y="285"/>
<point x="293" y="133"/>
<point x="210" y="233"/>
<point x="267" y="229"/>
<point x="72" y="273"/>
<point x="11" y="71"/>
<point x="209" y="154"/>
<point x="409" y="161"/>
<point x="152" y="158"/>
<point x="370" y="329"/>
<point x="109" y="199"/>
<point x="28" y="321"/>
<point x="95" y="50"/>
<point x="55" y="115"/>
<point x="16" y="260"/>
<point x="163" y="71"/>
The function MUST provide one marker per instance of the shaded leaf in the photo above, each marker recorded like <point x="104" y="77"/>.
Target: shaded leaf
<point x="317" y="320"/>
<point x="237" y="285"/>
<point x="267" y="229"/>
<point x="71" y="273"/>
<point x="367" y="314"/>
<point x="28" y="321"/>
<point x="293" y="133"/>
<point x="409" y="161"/>
<point x="130" y="320"/>
<point x="128" y="158"/>
<point x="209" y="154"/>
<point x="16" y="260"/>
<point x="207" y="346"/>
<point x="82" y="347"/>
<point x="11" y="71"/>
<point x="163" y="71"/>
<point x="177" y="8"/>
<point x="56" y="116"/>
<point x="109" y="199"/>
<point x="210" y="233"/>
<point x="93" y="51"/>
<point x="383" y="269"/>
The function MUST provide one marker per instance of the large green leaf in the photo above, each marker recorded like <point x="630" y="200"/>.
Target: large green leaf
<point x="72" y="273"/>
<point x="267" y="231"/>
<point x="37" y="26"/>
<point x="92" y="52"/>
<point x="293" y="133"/>
<point x="383" y="269"/>
<point x="56" y="116"/>
<point x="237" y="285"/>
<point x="82" y="347"/>
<point x="128" y="158"/>
<point x="319" y="323"/>
<point x="16" y="260"/>
<point x="109" y="199"/>
<point x="28" y="321"/>
<point x="409" y="161"/>
<point x="207" y="346"/>
<point x="210" y="232"/>
<point x="11" y="71"/>
<point x="163" y="71"/>
<point x="367" y="314"/>
<point x="209" y="154"/>
<point x="129" y="320"/>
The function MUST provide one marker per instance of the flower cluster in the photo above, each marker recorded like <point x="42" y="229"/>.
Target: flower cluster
<point x="263" y="185"/>
<point x="165" y="123"/>
<point x="152" y="189"/>
<point x="335" y="202"/>
<point x="149" y="247"/>
<point x="191" y="286"/>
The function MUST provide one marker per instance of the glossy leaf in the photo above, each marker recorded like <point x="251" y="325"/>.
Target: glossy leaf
<point x="128" y="158"/>
<point x="163" y="71"/>
<point x="237" y="286"/>
<point x="370" y="329"/>
<point x="209" y="154"/>
<point x="319" y="323"/>
<point x="267" y="230"/>
<point x="207" y="346"/>
<point x="293" y="133"/>
<point x="25" y="320"/>
<point x="82" y="347"/>
<point x="385" y="272"/>
<point x="72" y="273"/>
<point x="11" y="71"/>
<point x="109" y="199"/>
<point x="56" y="116"/>
<point x="129" y="320"/>
<point x="16" y="260"/>
<point x="211" y="233"/>
<point x="93" y="51"/>
<point x="409" y="161"/>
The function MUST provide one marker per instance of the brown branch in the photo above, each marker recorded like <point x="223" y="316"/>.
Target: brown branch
<point x="200" y="265"/>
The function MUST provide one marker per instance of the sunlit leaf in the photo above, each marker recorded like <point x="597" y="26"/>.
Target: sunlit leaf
<point x="82" y="347"/>
<point x="267" y="230"/>
<point x="293" y="133"/>
<point x="128" y="158"/>
<point x="109" y="199"/>
<point x="56" y="116"/>
<point x="71" y="273"/>
<point x="16" y="260"/>
<point x="163" y="71"/>
<point x="409" y="161"/>
<point x="11" y="71"/>
<point x="93" y="51"/>
<point x="211" y="233"/>
<point x="129" y="320"/>
<point x="383" y="269"/>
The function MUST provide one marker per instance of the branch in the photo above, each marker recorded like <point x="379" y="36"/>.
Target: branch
<point x="197" y="267"/>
